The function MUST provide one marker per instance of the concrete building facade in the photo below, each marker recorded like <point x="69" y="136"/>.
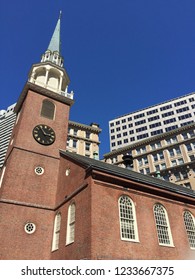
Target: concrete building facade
<point x="171" y="156"/>
<point x="83" y="139"/>
<point x="152" y="121"/>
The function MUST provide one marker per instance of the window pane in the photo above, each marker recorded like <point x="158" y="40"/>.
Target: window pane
<point x="190" y="228"/>
<point x="71" y="224"/>
<point x="162" y="225"/>
<point x="56" y="232"/>
<point x="127" y="219"/>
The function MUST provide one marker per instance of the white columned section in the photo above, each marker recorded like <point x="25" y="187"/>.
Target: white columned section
<point x="60" y="83"/>
<point x="46" y="76"/>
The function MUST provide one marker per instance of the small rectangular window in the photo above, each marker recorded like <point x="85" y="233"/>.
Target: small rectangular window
<point x="166" y="107"/>
<point x="186" y="116"/>
<point x="180" y="103"/>
<point x="74" y="143"/>
<point x="87" y="146"/>
<point x="87" y="134"/>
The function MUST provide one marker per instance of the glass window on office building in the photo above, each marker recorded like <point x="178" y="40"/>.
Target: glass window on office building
<point x="180" y="161"/>
<point x="87" y="134"/>
<point x="160" y="155"/>
<point x="145" y="159"/>
<point x="177" y="150"/>
<point x="171" y="140"/>
<point x="87" y="146"/>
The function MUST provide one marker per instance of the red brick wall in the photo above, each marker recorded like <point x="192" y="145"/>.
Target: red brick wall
<point x="81" y="248"/>
<point x="25" y="195"/>
<point x="106" y="241"/>
<point x="15" y="243"/>
<point x="69" y="184"/>
<point x="74" y="188"/>
<point x="97" y="228"/>
<point x="97" y="221"/>
<point x="22" y="184"/>
<point x="30" y="117"/>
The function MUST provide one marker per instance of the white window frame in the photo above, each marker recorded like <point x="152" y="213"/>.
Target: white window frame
<point x="127" y="218"/>
<point x="70" y="233"/>
<point x="2" y="176"/>
<point x="163" y="227"/>
<point x="56" y="232"/>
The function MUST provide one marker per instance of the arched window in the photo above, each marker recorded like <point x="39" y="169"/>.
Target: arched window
<point x="127" y="216"/>
<point x="2" y="175"/>
<point x="70" y="235"/>
<point x="56" y="232"/>
<point x="162" y="225"/>
<point x="190" y="228"/>
<point x="48" y="109"/>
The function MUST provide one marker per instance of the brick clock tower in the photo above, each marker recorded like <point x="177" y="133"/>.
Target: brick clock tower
<point x="29" y="177"/>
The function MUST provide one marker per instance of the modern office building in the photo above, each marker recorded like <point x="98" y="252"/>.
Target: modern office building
<point x="170" y="156"/>
<point x="151" y="121"/>
<point x="58" y="205"/>
<point x="7" y="120"/>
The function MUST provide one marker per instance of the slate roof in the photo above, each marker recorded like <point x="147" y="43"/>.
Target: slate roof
<point x="128" y="174"/>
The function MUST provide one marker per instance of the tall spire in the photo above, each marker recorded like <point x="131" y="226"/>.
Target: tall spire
<point x="50" y="73"/>
<point x="53" y="53"/>
<point x="54" y="44"/>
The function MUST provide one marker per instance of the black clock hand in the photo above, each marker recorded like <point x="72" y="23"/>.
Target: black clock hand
<point x="46" y="134"/>
<point x="43" y="131"/>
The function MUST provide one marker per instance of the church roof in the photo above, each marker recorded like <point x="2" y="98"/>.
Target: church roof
<point x="114" y="170"/>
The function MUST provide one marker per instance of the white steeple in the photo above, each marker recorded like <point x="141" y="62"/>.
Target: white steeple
<point x="53" y="53"/>
<point x="49" y="73"/>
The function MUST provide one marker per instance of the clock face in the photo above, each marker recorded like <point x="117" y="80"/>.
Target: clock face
<point x="44" y="134"/>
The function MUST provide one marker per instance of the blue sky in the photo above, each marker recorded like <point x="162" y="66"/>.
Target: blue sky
<point x="121" y="56"/>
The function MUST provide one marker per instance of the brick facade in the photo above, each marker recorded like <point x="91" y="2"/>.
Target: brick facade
<point x="95" y="188"/>
<point x="103" y="228"/>
<point x="41" y="182"/>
